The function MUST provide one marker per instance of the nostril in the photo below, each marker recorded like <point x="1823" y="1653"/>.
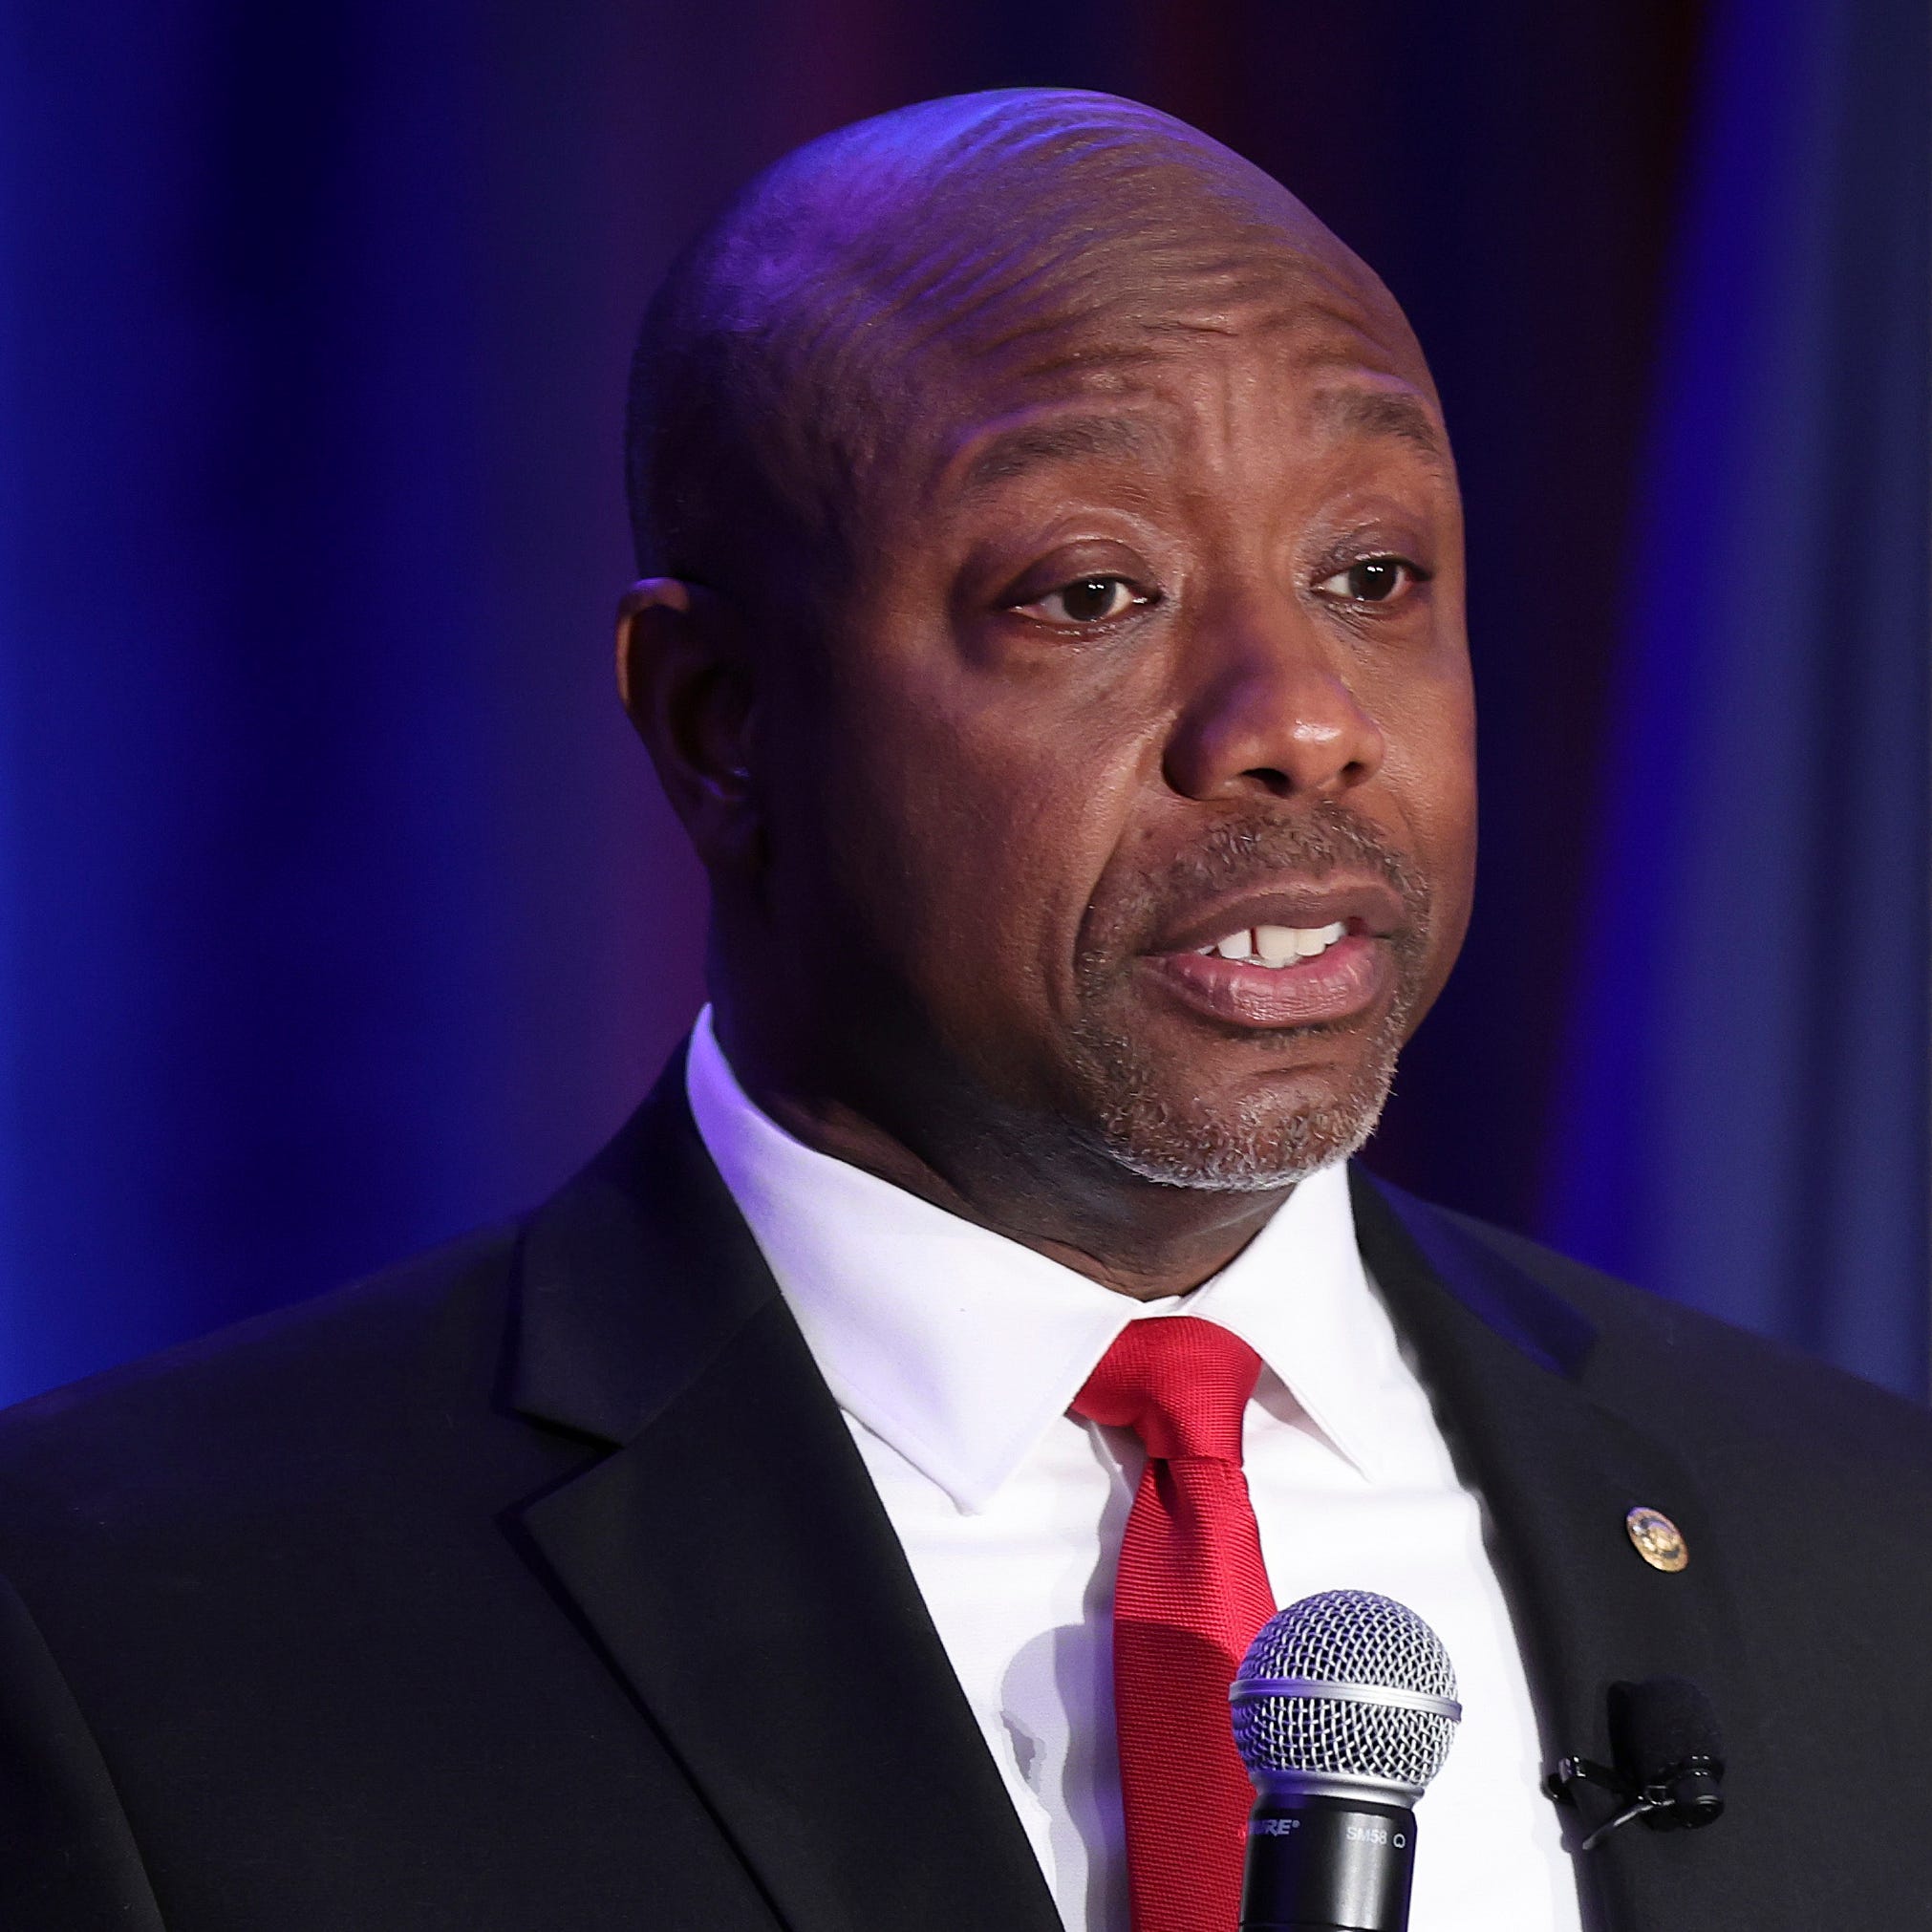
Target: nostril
<point x="1272" y="777"/>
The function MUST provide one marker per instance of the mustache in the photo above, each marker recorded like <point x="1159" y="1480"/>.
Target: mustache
<point x="1256" y="852"/>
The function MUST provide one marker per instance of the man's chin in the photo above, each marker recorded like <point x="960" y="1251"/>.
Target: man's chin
<point x="1256" y="1135"/>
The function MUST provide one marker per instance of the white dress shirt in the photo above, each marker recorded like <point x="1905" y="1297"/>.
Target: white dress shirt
<point x="954" y="1353"/>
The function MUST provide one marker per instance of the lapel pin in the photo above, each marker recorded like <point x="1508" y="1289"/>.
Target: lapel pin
<point x="1658" y="1540"/>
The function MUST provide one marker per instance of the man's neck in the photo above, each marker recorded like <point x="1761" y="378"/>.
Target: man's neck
<point x="1042" y="1188"/>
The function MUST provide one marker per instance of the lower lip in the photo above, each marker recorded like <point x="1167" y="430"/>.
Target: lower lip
<point x="1338" y="984"/>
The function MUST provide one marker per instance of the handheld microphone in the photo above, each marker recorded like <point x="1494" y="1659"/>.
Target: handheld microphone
<point x="1344" y="1708"/>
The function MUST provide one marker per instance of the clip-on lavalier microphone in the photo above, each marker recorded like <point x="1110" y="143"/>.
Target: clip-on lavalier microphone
<point x="1668" y="1761"/>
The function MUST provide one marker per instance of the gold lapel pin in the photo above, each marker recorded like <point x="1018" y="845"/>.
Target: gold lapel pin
<point x="1658" y="1540"/>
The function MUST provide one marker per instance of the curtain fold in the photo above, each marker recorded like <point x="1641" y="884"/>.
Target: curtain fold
<point x="338" y="908"/>
<point x="1744" y="1123"/>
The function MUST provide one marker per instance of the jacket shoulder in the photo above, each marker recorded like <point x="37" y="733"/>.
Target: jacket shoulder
<point x="286" y="1401"/>
<point x="1697" y="1374"/>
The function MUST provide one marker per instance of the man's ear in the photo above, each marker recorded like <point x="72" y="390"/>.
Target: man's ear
<point x="685" y="677"/>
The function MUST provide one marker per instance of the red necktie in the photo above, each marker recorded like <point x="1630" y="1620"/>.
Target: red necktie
<point x="1191" y="1595"/>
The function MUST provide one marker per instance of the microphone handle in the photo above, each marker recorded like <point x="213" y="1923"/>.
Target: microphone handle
<point x="1327" y="1864"/>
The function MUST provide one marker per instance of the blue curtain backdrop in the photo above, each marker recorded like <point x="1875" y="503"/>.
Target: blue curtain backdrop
<point x="338" y="912"/>
<point x="1745" y="1123"/>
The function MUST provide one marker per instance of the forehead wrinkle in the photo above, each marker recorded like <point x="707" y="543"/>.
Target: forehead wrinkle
<point x="1378" y="412"/>
<point x="1074" y="312"/>
<point x="998" y="250"/>
<point x="989" y="460"/>
<point x="1027" y="228"/>
<point x="992" y="452"/>
<point x="1155" y="280"/>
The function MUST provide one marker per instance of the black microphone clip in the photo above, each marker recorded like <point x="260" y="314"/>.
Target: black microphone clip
<point x="1668" y="1767"/>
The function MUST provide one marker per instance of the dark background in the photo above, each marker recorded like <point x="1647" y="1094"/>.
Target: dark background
<point x="338" y="909"/>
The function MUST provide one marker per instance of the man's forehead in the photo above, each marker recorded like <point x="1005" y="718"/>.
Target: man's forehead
<point x="987" y="456"/>
<point x="1122" y="325"/>
<point x="888" y="292"/>
<point x="1067" y="227"/>
<point x="1333" y="384"/>
<point x="1108" y="275"/>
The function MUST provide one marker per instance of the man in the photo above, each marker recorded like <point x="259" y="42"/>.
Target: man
<point x="842" y="1506"/>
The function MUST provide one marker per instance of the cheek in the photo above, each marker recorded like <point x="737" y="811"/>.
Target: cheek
<point x="1428" y="772"/>
<point x="993" y="812"/>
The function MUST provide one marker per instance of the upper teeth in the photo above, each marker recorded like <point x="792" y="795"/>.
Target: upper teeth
<point x="1278" y="945"/>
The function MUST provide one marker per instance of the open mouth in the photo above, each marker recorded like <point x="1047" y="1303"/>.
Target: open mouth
<point x="1303" y="954"/>
<point x="1276" y="946"/>
<point x="1276" y="977"/>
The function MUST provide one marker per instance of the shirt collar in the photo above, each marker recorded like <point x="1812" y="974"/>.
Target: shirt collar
<point x="960" y="1347"/>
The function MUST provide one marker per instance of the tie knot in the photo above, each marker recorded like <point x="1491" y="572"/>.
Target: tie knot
<point x="1179" y="1382"/>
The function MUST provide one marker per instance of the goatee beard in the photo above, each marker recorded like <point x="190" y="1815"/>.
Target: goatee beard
<point x="1147" y="1122"/>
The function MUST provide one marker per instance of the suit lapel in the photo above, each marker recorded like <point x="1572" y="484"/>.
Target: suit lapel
<point x="731" y="1558"/>
<point x="733" y="1561"/>
<point x="1528" y="1401"/>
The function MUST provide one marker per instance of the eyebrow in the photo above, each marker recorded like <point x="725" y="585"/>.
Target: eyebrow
<point x="1367" y="412"/>
<point x="1382" y="412"/>
<point x="1016" y="451"/>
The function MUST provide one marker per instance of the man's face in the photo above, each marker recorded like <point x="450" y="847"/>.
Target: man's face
<point x="1131" y="789"/>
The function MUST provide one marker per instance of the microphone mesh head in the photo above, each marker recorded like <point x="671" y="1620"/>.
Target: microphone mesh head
<point x="1350" y="1637"/>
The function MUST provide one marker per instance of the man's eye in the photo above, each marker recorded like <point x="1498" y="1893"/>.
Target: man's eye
<point x="1374" y="580"/>
<point x="1088" y="600"/>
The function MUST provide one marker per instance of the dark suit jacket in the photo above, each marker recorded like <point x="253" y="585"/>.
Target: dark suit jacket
<point x="539" y="1584"/>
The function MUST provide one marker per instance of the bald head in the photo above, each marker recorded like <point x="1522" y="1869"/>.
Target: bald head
<point x="977" y="240"/>
<point x="1054" y="610"/>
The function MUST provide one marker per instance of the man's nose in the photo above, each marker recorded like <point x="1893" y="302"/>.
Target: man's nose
<point x="1270" y="710"/>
